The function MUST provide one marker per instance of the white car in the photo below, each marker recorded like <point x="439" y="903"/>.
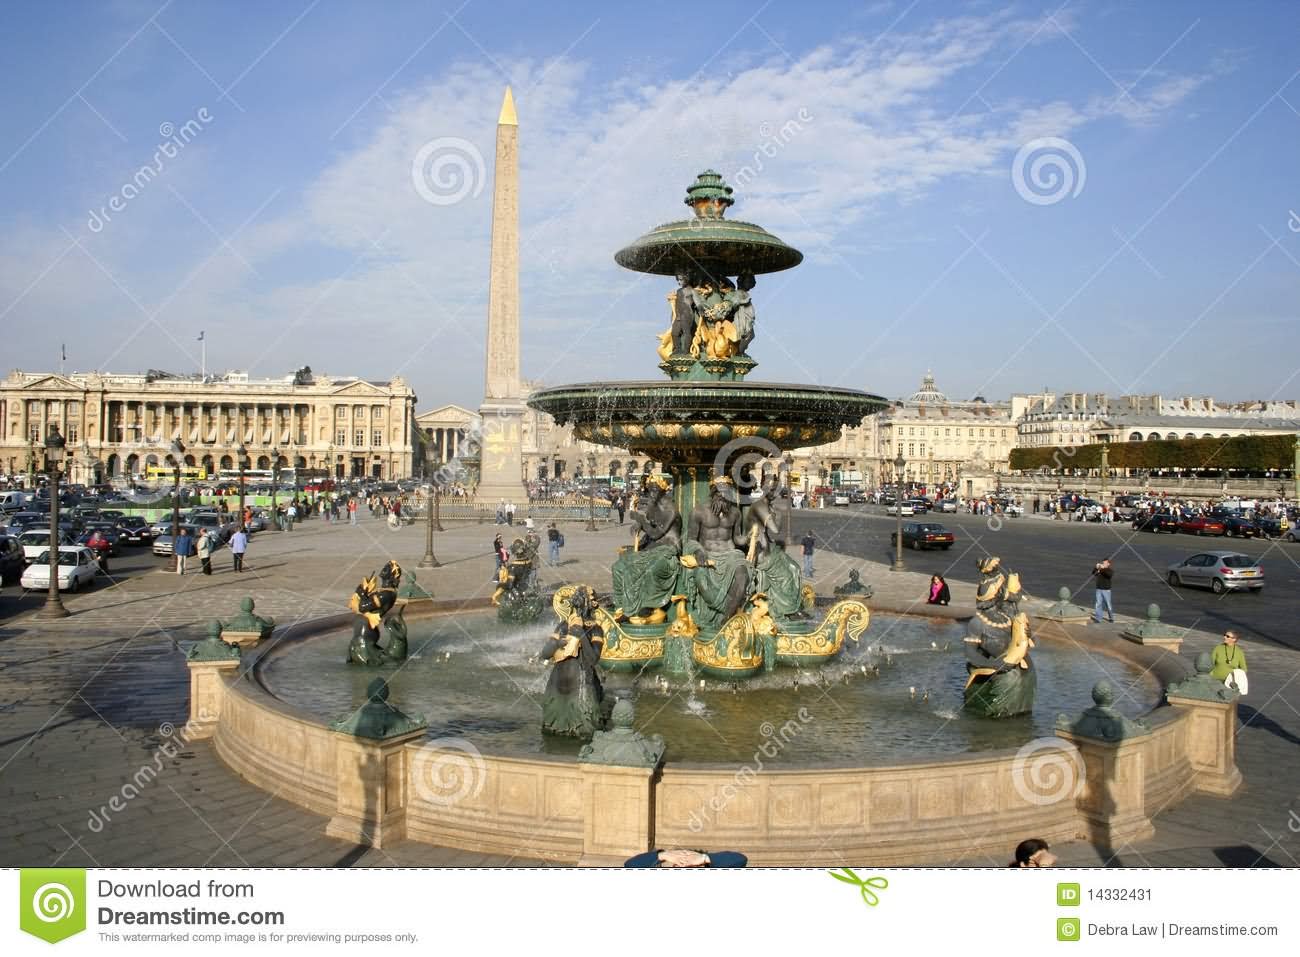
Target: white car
<point x="77" y="566"/>
<point x="37" y="540"/>
<point x="841" y="498"/>
<point x="906" y="509"/>
<point x="1014" y="509"/>
<point x="947" y="505"/>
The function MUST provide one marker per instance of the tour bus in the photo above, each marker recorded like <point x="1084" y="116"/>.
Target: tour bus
<point x="189" y="473"/>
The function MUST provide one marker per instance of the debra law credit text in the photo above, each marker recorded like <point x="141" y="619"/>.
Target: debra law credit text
<point x="1173" y="929"/>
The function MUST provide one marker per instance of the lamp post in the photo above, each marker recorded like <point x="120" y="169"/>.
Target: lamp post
<point x="54" y="443"/>
<point x="1105" y="470"/>
<point x="177" y="455"/>
<point x="275" y="485"/>
<point x="591" y="492"/>
<point x="242" y="452"/>
<point x="787" y="464"/>
<point x="899" y="463"/>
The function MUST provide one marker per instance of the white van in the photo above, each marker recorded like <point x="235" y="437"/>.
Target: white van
<point x="13" y="501"/>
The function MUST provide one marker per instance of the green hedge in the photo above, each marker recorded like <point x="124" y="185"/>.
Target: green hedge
<point x="1245" y="452"/>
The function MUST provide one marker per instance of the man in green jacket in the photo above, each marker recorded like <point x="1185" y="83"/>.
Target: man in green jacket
<point x="1227" y="657"/>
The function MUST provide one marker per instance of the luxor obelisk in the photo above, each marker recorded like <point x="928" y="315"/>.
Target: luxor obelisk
<point x="502" y="411"/>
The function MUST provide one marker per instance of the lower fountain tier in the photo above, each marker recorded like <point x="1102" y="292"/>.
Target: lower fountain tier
<point x="682" y="422"/>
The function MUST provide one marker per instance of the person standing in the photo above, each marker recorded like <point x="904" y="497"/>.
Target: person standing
<point x="809" y="544"/>
<point x="182" y="548"/>
<point x="239" y="545"/>
<point x="290" y="516"/>
<point x="554" y="541"/>
<point x="352" y="511"/>
<point x="621" y="504"/>
<point x="1229" y="663"/>
<point x="203" y="548"/>
<point x="1102" y="573"/>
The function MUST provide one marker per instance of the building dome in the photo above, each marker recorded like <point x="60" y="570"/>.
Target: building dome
<point x="928" y="393"/>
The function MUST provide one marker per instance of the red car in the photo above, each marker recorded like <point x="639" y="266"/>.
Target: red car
<point x="1201" y="525"/>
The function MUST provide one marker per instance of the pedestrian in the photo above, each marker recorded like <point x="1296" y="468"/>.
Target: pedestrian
<point x="1229" y="663"/>
<point x="938" y="591"/>
<point x="290" y="516"/>
<point x="203" y="548"/>
<point x="182" y="548"/>
<point x="554" y="542"/>
<point x="510" y="513"/>
<point x="809" y="544"/>
<point x="501" y="512"/>
<point x="352" y="511"/>
<point x="499" y="549"/>
<point x="621" y="504"/>
<point x="99" y="544"/>
<point x="1034" y="852"/>
<point x="239" y="545"/>
<point x="1102" y="573"/>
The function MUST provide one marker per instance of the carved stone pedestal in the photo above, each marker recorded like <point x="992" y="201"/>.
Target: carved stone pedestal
<point x="1211" y="731"/>
<point x="618" y="813"/>
<point x="207" y="692"/>
<point x="372" y="780"/>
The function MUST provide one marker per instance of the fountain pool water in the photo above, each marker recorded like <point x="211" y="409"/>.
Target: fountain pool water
<point x="472" y="679"/>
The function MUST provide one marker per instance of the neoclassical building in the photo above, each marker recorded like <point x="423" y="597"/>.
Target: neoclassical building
<point x="116" y="425"/>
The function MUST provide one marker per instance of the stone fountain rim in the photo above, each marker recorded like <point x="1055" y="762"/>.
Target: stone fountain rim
<point x="1164" y="665"/>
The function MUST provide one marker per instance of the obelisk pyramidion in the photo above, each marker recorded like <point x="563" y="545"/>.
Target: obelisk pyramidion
<point x="502" y="411"/>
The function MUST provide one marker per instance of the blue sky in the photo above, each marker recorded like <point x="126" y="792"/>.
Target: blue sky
<point x="893" y="142"/>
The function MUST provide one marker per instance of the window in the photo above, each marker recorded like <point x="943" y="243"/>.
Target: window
<point x="981" y="433"/>
<point x="947" y="433"/>
<point x="922" y="448"/>
<point x="377" y="437"/>
<point x="360" y="437"/>
<point x="340" y="412"/>
<point x="72" y="433"/>
<point x="377" y="413"/>
<point x="35" y="433"/>
<point x="911" y="431"/>
<point x="911" y="449"/>
<point x="972" y="433"/>
<point x="341" y="437"/>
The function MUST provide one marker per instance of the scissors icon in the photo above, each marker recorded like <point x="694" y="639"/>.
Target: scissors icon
<point x="865" y="886"/>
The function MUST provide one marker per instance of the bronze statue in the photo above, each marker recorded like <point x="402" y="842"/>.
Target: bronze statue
<point x="1000" y="677"/>
<point x="571" y="705"/>
<point x="718" y="582"/>
<point x="516" y="597"/>
<point x="645" y="577"/>
<point x="743" y="312"/>
<point x="372" y="600"/>
<point x="777" y="575"/>
<point x="685" y="317"/>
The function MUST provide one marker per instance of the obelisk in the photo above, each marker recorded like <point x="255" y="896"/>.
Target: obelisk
<point x="502" y="411"/>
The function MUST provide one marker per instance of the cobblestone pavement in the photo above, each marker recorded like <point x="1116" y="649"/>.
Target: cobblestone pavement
<point x="86" y="704"/>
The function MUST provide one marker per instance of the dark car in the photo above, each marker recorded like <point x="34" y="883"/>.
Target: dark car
<point x="921" y="535"/>
<point x="134" y="530"/>
<point x="919" y="505"/>
<point x="1238" y="527"/>
<point x="12" y="560"/>
<point x="1273" y="528"/>
<point x="1201" y="525"/>
<point x="19" y="522"/>
<point x="1156" y="522"/>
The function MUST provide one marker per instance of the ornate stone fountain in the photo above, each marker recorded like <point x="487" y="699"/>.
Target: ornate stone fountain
<point x="707" y="585"/>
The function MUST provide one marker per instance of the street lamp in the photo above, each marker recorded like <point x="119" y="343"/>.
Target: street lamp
<point x="429" y="560"/>
<point x="1105" y="470"/>
<point x="242" y="452"/>
<point x="54" y="443"/>
<point x="275" y="484"/>
<point x="591" y="492"/>
<point x="899" y="463"/>
<point x="177" y="456"/>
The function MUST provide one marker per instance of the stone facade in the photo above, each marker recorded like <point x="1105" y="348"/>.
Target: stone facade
<point x="117" y="425"/>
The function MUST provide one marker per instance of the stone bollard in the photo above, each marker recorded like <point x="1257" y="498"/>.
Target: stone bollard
<point x="618" y="770"/>
<point x="247" y="629"/>
<point x="210" y="662"/>
<point x="1211" y="732"/>
<point x="1063" y="611"/>
<point x="1155" y="632"/>
<point x="1113" y="802"/>
<point x="372" y="772"/>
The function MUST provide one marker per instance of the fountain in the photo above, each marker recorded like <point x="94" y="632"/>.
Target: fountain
<point x="707" y="587"/>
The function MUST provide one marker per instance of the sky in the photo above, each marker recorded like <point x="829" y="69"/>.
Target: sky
<point x="1081" y="196"/>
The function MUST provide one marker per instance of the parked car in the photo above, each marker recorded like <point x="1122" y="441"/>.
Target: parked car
<point x="77" y="567"/>
<point x="921" y="535"/>
<point x="12" y="559"/>
<point x="1238" y="527"/>
<point x="919" y="505"/>
<point x="112" y="539"/>
<point x="948" y="505"/>
<point x="904" y="508"/>
<point x="1156" y="522"/>
<point x="1275" y="528"/>
<point x="37" y="540"/>
<point x="134" y="530"/>
<point x="19" y="522"/>
<point x="1219" y="571"/>
<point x="857" y="497"/>
<point x="841" y="498"/>
<point x="1201" y="525"/>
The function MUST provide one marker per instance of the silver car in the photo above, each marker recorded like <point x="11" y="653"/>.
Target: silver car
<point x="1219" y="571"/>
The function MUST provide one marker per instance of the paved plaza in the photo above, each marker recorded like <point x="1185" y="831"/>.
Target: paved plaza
<point x="87" y="702"/>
